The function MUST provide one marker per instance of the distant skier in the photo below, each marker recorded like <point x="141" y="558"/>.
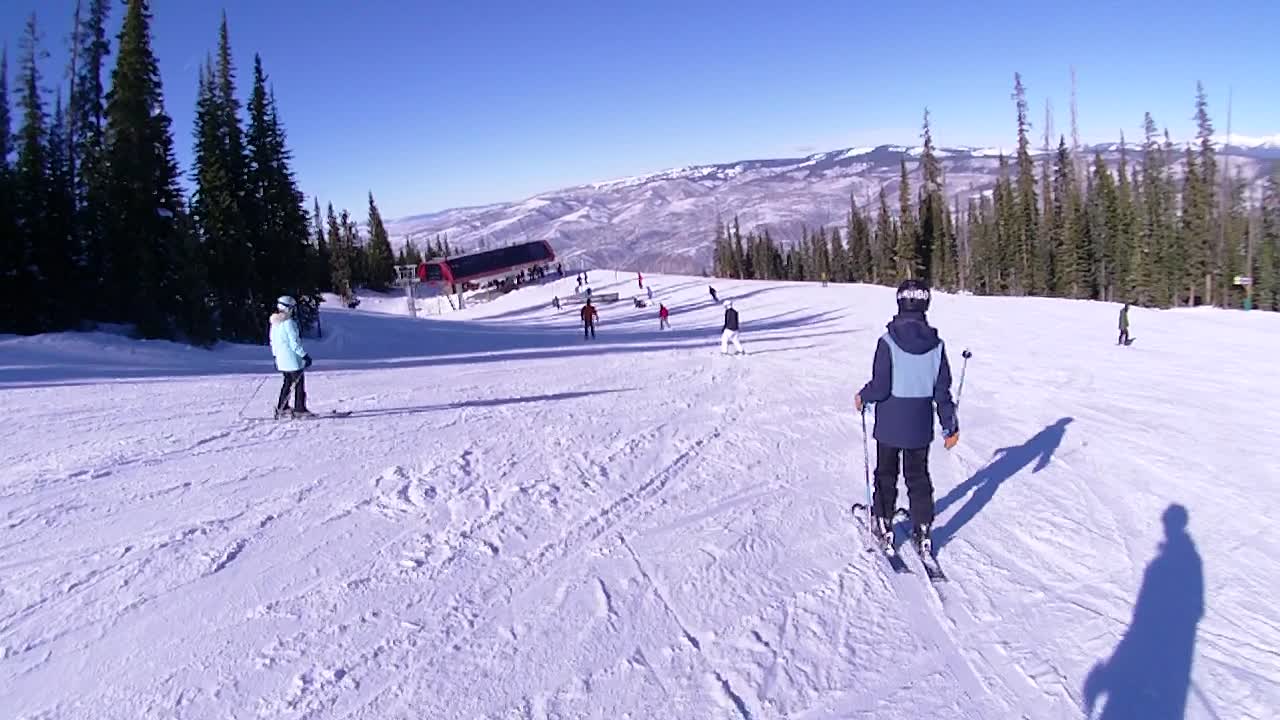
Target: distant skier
<point x="649" y="291"/>
<point x="291" y="358"/>
<point x="640" y="280"/>
<point x="714" y="299"/>
<point x="1124" y="326"/>
<point x="589" y="316"/>
<point x="555" y="302"/>
<point x="910" y="375"/>
<point x="663" y="314"/>
<point x="730" y="332"/>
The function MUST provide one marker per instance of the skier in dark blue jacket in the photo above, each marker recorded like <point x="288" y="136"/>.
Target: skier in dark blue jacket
<point x="910" y="376"/>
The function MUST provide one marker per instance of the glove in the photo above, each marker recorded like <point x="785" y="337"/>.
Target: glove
<point x="951" y="440"/>
<point x="306" y="361"/>
<point x="857" y="402"/>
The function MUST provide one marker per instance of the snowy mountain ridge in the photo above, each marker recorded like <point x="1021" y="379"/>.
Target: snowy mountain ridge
<point x="665" y="220"/>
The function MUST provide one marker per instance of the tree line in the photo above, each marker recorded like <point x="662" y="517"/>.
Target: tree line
<point x="1073" y="227"/>
<point x="95" y="226"/>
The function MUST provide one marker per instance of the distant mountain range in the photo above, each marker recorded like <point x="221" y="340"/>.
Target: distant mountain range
<point x="665" y="221"/>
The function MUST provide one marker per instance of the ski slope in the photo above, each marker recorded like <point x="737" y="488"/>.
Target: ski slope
<point x="515" y="523"/>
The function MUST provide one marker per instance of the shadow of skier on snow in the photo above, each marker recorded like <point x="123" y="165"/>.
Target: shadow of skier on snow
<point x="1149" y="673"/>
<point x="985" y="483"/>
<point x="481" y="403"/>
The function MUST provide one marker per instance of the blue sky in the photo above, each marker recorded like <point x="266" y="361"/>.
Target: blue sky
<point x="433" y="104"/>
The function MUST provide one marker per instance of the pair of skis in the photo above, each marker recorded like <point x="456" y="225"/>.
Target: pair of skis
<point x="888" y="549"/>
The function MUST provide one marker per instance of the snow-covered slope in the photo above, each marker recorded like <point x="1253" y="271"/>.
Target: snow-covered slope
<point x="518" y="523"/>
<point x="665" y="221"/>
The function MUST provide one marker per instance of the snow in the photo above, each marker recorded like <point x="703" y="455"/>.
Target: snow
<point x="517" y="523"/>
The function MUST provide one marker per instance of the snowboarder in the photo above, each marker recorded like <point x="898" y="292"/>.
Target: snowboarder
<point x="663" y="314"/>
<point x="714" y="299"/>
<point x="1124" y="326"/>
<point x="292" y="359"/>
<point x="730" y="332"/>
<point x="589" y="316"/>
<point x="555" y="302"/>
<point x="910" y="375"/>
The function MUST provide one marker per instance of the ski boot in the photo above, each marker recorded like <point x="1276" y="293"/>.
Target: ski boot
<point x="281" y="412"/>
<point x="920" y="535"/>
<point x="884" y="529"/>
<point x="302" y="413"/>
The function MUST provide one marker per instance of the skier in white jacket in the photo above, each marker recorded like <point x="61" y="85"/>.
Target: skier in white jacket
<point x="292" y="359"/>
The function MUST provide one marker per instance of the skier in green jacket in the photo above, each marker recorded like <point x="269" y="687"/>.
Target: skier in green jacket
<point x="1124" y="325"/>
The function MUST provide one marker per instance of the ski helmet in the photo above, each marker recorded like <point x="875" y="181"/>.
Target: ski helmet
<point x="285" y="302"/>
<point x="913" y="296"/>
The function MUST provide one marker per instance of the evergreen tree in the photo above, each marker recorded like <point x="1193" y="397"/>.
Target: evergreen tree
<point x="907" y="262"/>
<point x="838" y="258"/>
<point x="931" y="250"/>
<point x="1071" y="267"/>
<point x="1200" y="204"/>
<point x="87" y="124"/>
<point x="144" y="282"/>
<point x="339" y="258"/>
<point x="409" y="254"/>
<point x="381" y="266"/>
<point x="740" y="266"/>
<point x="31" y="189"/>
<point x="886" y="244"/>
<point x="1267" y="288"/>
<point x="1104" y="227"/>
<point x="862" y="268"/>
<point x="59" y="299"/>
<point x="11" y="244"/>
<point x="1026" y="224"/>
<point x="321" y="276"/>
<point x="280" y="233"/>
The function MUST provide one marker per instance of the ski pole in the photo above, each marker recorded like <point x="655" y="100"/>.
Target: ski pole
<point x="256" y="388"/>
<point x="866" y="467"/>
<point x="963" y="366"/>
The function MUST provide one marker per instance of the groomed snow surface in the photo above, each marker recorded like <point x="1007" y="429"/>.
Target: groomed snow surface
<point x="518" y="523"/>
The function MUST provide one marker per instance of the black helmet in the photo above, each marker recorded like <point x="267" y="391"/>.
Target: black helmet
<point x="913" y="296"/>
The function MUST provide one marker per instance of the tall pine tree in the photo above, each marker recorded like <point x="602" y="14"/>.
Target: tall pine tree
<point x="381" y="262"/>
<point x="145" y="211"/>
<point x="31" y="190"/>
<point x="1026" y="228"/>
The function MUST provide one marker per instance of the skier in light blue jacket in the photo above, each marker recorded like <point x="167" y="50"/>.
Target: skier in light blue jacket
<point x="292" y="359"/>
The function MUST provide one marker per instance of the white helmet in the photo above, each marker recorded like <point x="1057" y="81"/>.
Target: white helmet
<point x="728" y="304"/>
<point x="285" y="302"/>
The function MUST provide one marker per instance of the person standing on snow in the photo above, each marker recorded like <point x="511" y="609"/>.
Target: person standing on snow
<point x="1124" y="325"/>
<point x="640" y="280"/>
<point x="292" y="359"/>
<point x="662" y="317"/>
<point x="714" y="299"/>
<point x="910" y="376"/>
<point x="589" y="316"/>
<point x="730" y="332"/>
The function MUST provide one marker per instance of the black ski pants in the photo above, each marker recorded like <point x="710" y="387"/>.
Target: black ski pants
<point x="1124" y="336"/>
<point x="296" y="382"/>
<point x="588" y="330"/>
<point x="915" y="469"/>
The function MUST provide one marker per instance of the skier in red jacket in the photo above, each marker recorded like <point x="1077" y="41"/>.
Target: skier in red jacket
<point x="663" y="313"/>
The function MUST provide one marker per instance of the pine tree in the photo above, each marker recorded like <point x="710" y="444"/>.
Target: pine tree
<point x="1200" y="204"/>
<point x="1267" y="290"/>
<point x="321" y="276"/>
<point x="886" y="243"/>
<point x="339" y="258"/>
<point x="1026" y="228"/>
<point x="87" y="124"/>
<point x="144" y="204"/>
<point x="861" y="266"/>
<point x="838" y="258"/>
<point x="907" y="261"/>
<point x="740" y="267"/>
<point x="1104" y="223"/>
<point x="1045" y="246"/>
<point x="11" y="244"/>
<point x="222" y="212"/>
<point x="31" y="189"/>
<point x="56" y="255"/>
<point x="931" y="251"/>
<point x="381" y="267"/>
<point x="279" y="236"/>
<point x="1071" y="269"/>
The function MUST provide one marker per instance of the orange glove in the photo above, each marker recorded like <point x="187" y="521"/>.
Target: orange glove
<point x="951" y="441"/>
